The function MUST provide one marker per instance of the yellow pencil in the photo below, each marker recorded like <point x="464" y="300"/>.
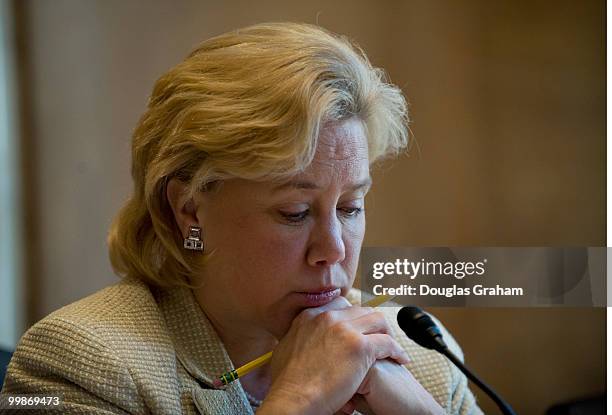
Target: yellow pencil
<point x="232" y="375"/>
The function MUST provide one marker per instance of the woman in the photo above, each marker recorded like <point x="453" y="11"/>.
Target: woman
<point x="250" y="169"/>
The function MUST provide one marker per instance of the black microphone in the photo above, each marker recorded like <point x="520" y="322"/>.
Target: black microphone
<point x="423" y="331"/>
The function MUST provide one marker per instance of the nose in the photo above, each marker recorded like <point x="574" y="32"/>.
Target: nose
<point x="326" y="246"/>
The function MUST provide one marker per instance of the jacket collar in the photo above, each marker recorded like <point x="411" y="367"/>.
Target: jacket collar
<point x="201" y="352"/>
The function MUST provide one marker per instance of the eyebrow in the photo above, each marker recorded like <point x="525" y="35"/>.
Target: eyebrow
<point x="307" y="185"/>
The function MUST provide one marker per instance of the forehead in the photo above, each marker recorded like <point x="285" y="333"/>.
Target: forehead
<point x="341" y="145"/>
<point x="341" y="160"/>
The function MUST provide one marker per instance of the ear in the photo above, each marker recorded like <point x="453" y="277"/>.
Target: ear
<point x="183" y="207"/>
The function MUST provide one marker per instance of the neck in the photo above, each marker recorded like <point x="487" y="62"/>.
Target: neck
<point x="243" y="349"/>
<point x="243" y="343"/>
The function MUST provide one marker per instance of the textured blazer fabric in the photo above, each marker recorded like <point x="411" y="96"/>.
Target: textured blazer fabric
<point x="133" y="349"/>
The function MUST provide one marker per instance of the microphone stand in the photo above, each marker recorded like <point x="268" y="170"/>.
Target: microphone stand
<point x="423" y="330"/>
<point x="503" y="406"/>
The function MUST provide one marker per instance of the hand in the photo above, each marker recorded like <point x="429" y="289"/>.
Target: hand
<point x="389" y="388"/>
<point x="325" y="356"/>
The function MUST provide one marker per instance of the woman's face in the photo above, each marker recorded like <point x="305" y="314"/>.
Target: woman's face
<point x="280" y="248"/>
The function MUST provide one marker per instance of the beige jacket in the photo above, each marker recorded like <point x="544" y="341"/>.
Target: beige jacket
<point x="132" y="349"/>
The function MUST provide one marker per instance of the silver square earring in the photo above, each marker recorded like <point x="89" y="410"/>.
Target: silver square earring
<point x="194" y="241"/>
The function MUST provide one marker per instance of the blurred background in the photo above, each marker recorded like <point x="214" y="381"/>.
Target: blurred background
<point x="507" y="101"/>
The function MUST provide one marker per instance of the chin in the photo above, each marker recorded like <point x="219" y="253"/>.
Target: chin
<point x="279" y="327"/>
<point x="280" y="331"/>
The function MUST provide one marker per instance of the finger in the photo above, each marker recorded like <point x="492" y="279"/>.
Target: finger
<point x="338" y="303"/>
<point x="371" y="323"/>
<point x="350" y="313"/>
<point x="348" y="407"/>
<point x="385" y="347"/>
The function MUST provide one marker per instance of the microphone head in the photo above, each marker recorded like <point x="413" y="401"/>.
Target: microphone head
<point x="420" y="328"/>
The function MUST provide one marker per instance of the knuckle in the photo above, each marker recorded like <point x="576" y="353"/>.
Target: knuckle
<point x="380" y="317"/>
<point x="304" y="317"/>
<point x="357" y="345"/>
<point x="343" y="300"/>
<point x="326" y="318"/>
<point x="340" y="329"/>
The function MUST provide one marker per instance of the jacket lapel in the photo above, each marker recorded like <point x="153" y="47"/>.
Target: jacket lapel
<point x="219" y="402"/>
<point x="201" y="352"/>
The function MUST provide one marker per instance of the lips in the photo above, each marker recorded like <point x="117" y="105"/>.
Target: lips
<point x="319" y="297"/>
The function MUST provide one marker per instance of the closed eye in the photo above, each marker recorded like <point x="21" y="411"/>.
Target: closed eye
<point x="298" y="217"/>
<point x="295" y="217"/>
<point x="351" y="212"/>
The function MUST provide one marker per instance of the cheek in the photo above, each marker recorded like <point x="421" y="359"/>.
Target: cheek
<point x="274" y="242"/>
<point x="274" y="253"/>
<point x="353" y="239"/>
<point x="354" y="233"/>
<point x="266" y="257"/>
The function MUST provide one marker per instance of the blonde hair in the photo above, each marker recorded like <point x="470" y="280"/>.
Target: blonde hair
<point x="246" y="104"/>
